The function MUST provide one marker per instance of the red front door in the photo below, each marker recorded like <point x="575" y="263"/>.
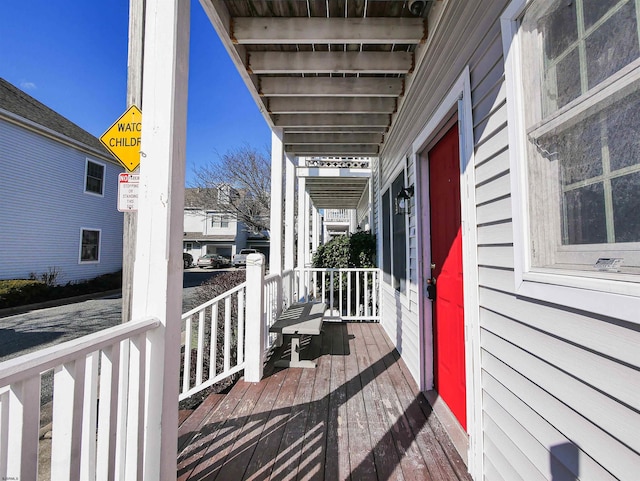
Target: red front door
<point x="446" y="269"/>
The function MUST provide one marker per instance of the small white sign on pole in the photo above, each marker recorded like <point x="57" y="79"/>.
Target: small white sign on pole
<point x="128" y="192"/>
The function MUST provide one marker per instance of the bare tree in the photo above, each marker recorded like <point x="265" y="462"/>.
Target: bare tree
<point x="238" y="183"/>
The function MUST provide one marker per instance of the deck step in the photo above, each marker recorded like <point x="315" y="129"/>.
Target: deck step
<point x="190" y="424"/>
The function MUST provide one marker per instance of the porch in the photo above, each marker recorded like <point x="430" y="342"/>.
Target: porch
<point x="359" y="415"/>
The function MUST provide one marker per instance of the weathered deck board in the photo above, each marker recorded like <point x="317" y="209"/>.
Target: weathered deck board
<point x="357" y="416"/>
<point x="435" y="438"/>
<point x="189" y="425"/>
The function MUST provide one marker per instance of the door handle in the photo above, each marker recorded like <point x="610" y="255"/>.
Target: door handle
<point x="431" y="289"/>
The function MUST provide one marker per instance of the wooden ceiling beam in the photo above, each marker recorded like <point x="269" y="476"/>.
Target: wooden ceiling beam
<point x="354" y="105"/>
<point x="305" y="30"/>
<point x="338" y="138"/>
<point x="329" y="62"/>
<point x="335" y="129"/>
<point x="331" y="86"/>
<point x="332" y="149"/>
<point x="331" y="120"/>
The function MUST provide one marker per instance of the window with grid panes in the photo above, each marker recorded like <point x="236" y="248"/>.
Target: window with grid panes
<point x="94" y="179"/>
<point x="581" y="85"/>
<point x="220" y="220"/>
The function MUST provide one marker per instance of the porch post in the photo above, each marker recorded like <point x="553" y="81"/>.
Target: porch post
<point x="157" y="279"/>
<point x="289" y="215"/>
<point x="307" y="227"/>
<point x="301" y="220"/>
<point x="255" y="331"/>
<point x="315" y="229"/>
<point x="302" y="291"/>
<point x="275" y="234"/>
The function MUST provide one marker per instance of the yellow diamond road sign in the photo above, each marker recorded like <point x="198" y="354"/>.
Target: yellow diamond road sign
<point x="123" y="138"/>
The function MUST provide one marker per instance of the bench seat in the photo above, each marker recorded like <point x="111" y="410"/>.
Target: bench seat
<point x="299" y="319"/>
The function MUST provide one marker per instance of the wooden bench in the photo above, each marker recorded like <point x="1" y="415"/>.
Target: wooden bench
<point x="299" y="319"/>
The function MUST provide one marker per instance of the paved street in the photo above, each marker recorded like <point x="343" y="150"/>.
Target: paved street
<point x="23" y="333"/>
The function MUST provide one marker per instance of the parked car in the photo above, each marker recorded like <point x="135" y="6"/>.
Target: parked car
<point x="187" y="259"/>
<point x="212" y="260"/>
<point x="225" y="261"/>
<point x="240" y="259"/>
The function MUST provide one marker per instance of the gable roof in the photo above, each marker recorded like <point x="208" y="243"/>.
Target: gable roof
<point x="17" y="102"/>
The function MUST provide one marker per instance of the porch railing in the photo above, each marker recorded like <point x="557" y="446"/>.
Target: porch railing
<point x="215" y="331"/>
<point x="351" y="294"/>
<point x="106" y="441"/>
<point x="217" y="349"/>
<point x="213" y="347"/>
<point x="88" y="441"/>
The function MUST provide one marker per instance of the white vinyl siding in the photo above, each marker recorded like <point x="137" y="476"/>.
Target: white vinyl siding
<point x="40" y="227"/>
<point x="558" y="385"/>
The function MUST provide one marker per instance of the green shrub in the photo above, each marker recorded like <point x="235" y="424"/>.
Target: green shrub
<point x="355" y="250"/>
<point x="19" y="292"/>
<point x="16" y="284"/>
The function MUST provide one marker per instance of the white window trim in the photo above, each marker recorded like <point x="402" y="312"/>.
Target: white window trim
<point x="104" y="177"/>
<point x="82" y="229"/>
<point x="618" y="299"/>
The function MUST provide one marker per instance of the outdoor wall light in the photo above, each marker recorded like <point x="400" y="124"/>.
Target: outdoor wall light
<point x="403" y="200"/>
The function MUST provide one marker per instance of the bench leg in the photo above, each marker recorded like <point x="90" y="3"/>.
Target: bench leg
<point x="295" y="356"/>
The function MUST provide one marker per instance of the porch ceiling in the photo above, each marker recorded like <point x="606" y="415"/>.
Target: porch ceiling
<point x="335" y="187"/>
<point x="329" y="73"/>
<point x="336" y="193"/>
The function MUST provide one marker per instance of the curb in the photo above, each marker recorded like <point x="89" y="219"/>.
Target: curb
<point x="11" y="311"/>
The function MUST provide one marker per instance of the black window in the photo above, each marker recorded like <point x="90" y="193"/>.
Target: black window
<point x="399" y="239"/>
<point x="95" y="178"/>
<point x="394" y="235"/>
<point x="90" y="246"/>
<point x="386" y="237"/>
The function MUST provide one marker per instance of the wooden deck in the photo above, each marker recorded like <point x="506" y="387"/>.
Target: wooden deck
<point x="358" y="416"/>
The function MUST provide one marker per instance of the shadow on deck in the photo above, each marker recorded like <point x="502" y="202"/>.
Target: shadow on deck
<point x="358" y="415"/>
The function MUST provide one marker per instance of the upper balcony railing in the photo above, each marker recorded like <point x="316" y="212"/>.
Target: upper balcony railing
<point x="336" y="215"/>
<point x="339" y="162"/>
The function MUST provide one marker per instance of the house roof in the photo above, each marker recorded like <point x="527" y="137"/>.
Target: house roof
<point x="19" y="103"/>
<point x="200" y="237"/>
<point x="201" y="198"/>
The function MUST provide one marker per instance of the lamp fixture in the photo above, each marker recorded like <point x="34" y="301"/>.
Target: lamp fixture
<point x="403" y="200"/>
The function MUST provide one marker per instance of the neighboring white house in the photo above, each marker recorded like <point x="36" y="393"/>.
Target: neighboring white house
<point x="210" y="228"/>
<point x="59" y="195"/>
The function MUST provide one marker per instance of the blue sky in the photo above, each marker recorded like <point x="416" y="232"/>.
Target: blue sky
<point x="71" y="55"/>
